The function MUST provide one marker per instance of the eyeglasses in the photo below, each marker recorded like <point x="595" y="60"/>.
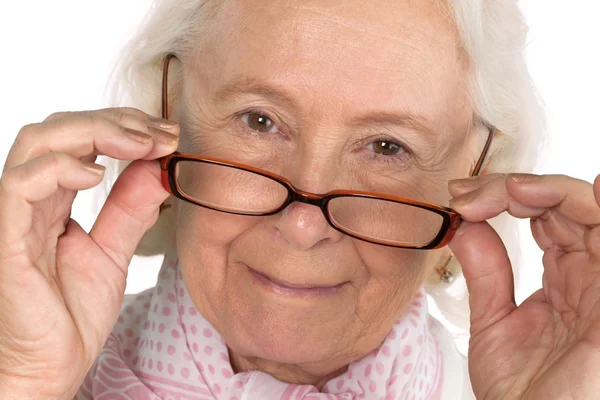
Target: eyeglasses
<point x="239" y="189"/>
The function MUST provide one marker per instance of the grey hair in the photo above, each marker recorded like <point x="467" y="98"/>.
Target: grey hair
<point x="493" y="34"/>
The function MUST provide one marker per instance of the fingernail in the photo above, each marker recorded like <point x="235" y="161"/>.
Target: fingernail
<point x="460" y="201"/>
<point x="164" y="137"/>
<point x="94" y="168"/>
<point x="138" y="136"/>
<point x="161" y="122"/>
<point x="524" y="178"/>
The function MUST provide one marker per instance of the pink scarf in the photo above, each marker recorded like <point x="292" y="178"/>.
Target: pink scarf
<point x="162" y="348"/>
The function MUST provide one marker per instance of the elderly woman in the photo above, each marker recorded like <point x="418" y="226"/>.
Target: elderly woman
<point x="319" y="164"/>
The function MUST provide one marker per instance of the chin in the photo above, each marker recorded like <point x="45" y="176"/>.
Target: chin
<point x="287" y="330"/>
<point x="286" y="344"/>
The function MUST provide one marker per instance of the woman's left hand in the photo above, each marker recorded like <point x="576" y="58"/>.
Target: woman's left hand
<point x="549" y="346"/>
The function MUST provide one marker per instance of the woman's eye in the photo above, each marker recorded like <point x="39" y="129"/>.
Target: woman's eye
<point x="259" y="122"/>
<point x="385" y="147"/>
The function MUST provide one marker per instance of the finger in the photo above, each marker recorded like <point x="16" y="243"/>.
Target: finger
<point x="81" y="135"/>
<point x="573" y="198"/>
<point x="127" y="117"/>
<point x="161" y="130"/>
<point x="40" y="178"/>
<point x="36" y="180"/>
<point x="553" y="227"/>
<point x="459" y="187"/>
<point x="487" y="271"/>
<point x="490" y="200"/>
<point x="130" y="210"/>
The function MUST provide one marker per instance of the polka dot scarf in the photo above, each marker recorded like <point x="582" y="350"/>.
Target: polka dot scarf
<point x="162" y="348"/>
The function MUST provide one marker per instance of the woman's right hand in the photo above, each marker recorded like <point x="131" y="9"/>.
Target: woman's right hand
<point x="61" y="289"/>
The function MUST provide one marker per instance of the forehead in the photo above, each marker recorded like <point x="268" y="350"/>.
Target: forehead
<point x="384" y="55"/>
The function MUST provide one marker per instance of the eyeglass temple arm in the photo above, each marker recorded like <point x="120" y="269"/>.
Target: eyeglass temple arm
<point x="485" y="151"/>
<point x="165" y="88"/>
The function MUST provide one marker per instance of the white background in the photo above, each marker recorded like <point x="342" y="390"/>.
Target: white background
<point x="57" y="55"/>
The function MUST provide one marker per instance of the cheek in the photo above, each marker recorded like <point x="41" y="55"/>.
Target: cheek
<point x="200" y="228"/>
<point x="204" y="239"/>
<point x="394" y="275"/>
<point x="388" y="262"/>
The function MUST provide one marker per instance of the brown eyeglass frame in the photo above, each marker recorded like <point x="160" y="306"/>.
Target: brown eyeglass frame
<point x="451" y="219"/>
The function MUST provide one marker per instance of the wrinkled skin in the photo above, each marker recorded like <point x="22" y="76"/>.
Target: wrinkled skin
<point x="61" y="289"/>
<point x="549" y="346"/>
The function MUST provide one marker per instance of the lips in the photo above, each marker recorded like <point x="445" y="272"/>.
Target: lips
<point x="288" y="288"/>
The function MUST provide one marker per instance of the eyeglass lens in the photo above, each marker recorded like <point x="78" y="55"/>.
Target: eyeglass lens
<point x="229" y="189"/>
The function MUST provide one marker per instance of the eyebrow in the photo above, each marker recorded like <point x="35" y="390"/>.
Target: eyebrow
<point x="247" y="85"/>
<point x="242" y="85"/>
<point x="403" y="119"/>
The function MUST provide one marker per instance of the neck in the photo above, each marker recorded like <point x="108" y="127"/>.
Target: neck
<point x="288" y="373"/>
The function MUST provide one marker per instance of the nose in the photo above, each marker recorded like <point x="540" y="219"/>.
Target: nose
<point x="304" y="226"/>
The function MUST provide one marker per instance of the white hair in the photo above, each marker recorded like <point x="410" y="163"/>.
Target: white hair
<point x="493" y="34"/>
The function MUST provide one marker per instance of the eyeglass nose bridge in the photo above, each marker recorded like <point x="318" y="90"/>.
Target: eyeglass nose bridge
<point x="312" y="199"/>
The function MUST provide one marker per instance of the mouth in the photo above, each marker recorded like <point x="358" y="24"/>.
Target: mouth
<point x="290" y="289"/>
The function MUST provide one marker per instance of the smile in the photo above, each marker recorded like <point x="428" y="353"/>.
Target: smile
<point x="291" y="289"/>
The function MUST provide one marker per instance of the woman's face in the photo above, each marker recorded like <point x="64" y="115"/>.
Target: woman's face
<point x="331" y="95"/>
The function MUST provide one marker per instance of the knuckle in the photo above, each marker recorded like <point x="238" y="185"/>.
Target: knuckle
<point x="92" y="120"/>
<point x="30" y="129"/>
<point x="57" y="115"/>
<point x="119" y="116"/>
<point x="10" y="180"/>
<point x="135" y="112"/>
<point x="25" y="135"/>
<point x="57" y="161"/>
<point x="92" y="123"/>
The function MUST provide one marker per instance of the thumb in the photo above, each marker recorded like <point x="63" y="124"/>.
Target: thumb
<point x="488" y="273"/>
<point x="91" y="287"/>
<point x="130" y="210"/>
